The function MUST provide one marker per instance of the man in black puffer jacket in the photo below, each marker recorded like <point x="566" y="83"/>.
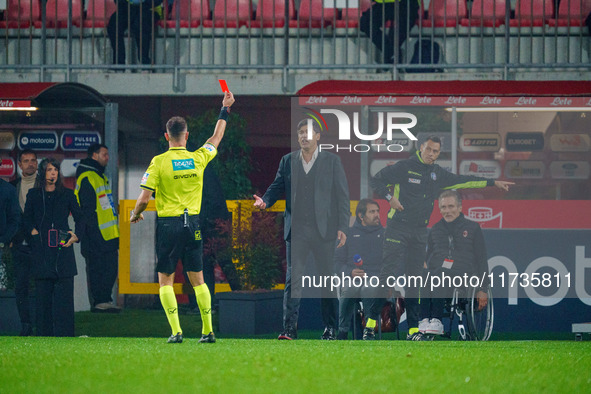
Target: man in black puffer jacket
<point x="455" y="247"/>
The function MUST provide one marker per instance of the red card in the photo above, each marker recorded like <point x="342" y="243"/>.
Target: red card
<point x="224" y="85"/>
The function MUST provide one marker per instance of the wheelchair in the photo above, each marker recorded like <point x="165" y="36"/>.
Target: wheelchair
<point x="473" y="324"/>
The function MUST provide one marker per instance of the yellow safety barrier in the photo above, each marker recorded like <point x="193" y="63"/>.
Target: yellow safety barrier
<point x="128" y="287"/>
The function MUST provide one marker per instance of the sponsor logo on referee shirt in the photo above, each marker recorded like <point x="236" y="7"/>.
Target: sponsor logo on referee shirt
<point x="186" y="164"/>
<point x="145" y="178"/>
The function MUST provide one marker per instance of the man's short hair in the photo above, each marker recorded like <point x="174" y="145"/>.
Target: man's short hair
<point x="433" y="138"/>
<point x="176" y="126"/>
<point x="26" y="152"/>
<point x="362" y="207"/>
<point x="95" y="148"/>
<point x="304" y="122"/>
<point x="451" y="193"/>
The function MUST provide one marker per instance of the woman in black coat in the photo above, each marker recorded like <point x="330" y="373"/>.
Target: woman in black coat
<point x="47" y="209"/>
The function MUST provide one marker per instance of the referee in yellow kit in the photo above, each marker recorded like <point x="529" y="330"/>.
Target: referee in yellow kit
<point x="176" y="177"/>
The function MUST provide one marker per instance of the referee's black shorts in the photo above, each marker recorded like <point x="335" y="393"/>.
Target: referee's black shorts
<point x="174" y="241"/>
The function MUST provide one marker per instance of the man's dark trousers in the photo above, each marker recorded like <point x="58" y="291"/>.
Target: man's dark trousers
<point x="23" y="273"/>
<point x="298" y="252"/>
<point x="101" y="269"/>
<point x="404" y="253"/>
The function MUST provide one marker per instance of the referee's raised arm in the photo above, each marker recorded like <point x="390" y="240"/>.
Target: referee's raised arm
<point x="220" y="126"/>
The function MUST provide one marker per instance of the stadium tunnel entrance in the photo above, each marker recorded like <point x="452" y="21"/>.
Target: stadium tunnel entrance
<point x="60" y="120"/>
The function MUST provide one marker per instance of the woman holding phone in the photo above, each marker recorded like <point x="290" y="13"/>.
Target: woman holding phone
<point x="48" y="207"/>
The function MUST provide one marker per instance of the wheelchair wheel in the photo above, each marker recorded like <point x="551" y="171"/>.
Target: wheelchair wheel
<point x="480" y="323"/>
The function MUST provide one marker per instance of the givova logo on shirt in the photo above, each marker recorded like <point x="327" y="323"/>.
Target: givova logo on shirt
<point x="187" y="164"/>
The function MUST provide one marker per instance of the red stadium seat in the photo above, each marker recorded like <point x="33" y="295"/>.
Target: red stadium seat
<point x="99" y="12"/>
<point x="57" y="14"/>
<point x="530" y="13"/>
<point x="232" y="13"/>
<point x="313" y="14"/>
<point x="192" y="13"/>
<point x="486" y="13"/>
<point x="572" y="13"/>
<point x="350" y="16"/>
<point x="445" y="13"/>
<point x="271" y="13"/>
<point x="21" y="14"/>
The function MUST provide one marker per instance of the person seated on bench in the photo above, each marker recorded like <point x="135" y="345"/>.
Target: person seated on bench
<point x="360" y="257"/>
<point x="455" y="247"/>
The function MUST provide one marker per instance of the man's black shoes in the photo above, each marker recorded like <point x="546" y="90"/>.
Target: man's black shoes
<point x="178" y="338"/>
<point x="209" y="338"/>
<point x="288" y="334"/>
<point x="342" y="336"/>
<point x="328" y="334"/>
<point x="26" y="330"/>
<point x="418" y="336"/>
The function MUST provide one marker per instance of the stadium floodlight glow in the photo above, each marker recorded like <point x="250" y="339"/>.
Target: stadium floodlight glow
<point x="519" y="109"/>
<point x="18" y="108"/>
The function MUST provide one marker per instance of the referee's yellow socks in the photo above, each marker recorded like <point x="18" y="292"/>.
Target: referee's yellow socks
<point x="168" y="300"/>
<point x="371" y="323"/>
<point x="204" y="302"/>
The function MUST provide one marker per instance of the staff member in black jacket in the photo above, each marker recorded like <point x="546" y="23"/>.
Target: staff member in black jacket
<point x="360" y="257"/>
<point x="416" y="183"/>
<point x="317" y="211"/>
<point x="10" y="219"/>
<point x="455" y="247"/>
<point x="49" y="204"/>
<point x="21" y="248"/>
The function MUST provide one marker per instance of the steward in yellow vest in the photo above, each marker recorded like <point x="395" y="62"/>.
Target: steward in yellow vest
<point x="101" y="235"/>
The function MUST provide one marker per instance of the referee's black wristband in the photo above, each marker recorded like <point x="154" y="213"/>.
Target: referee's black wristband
<point x="224" y="113"/>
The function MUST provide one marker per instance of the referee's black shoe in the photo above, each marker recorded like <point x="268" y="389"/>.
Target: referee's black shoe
<point x="328" y="334"/>
<point x="178" y="338"/>
<point x="369" y="334"/>
<point x="209" y="338"/>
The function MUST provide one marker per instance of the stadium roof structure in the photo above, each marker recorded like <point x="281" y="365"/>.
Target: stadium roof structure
<point x="437" y="88"/>
<point x="52" y="95"/>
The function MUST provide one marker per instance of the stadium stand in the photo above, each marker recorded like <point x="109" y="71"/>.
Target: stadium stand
<point x="312" y="14"/>
<point x="98" y="13"/>
<point x="57" y="14"/>
<point x="444" y="13"/>
<point x="271" y="13"/>
<point x="21" y="14"/>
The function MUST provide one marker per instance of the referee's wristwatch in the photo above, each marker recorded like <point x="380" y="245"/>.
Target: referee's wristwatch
<point x="133" y="215"/>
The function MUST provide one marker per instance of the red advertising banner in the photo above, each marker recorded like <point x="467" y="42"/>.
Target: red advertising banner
<point x="519" y="214"/>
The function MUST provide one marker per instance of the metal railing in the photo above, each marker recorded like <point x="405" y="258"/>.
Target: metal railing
<point x="305" y="36"/>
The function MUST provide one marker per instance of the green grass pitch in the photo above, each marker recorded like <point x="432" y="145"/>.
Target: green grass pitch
<point x="150" y="365"/>
<point x="136" y="362"/>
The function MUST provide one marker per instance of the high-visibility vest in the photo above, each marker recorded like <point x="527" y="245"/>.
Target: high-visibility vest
<point x="105" y="207"/>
